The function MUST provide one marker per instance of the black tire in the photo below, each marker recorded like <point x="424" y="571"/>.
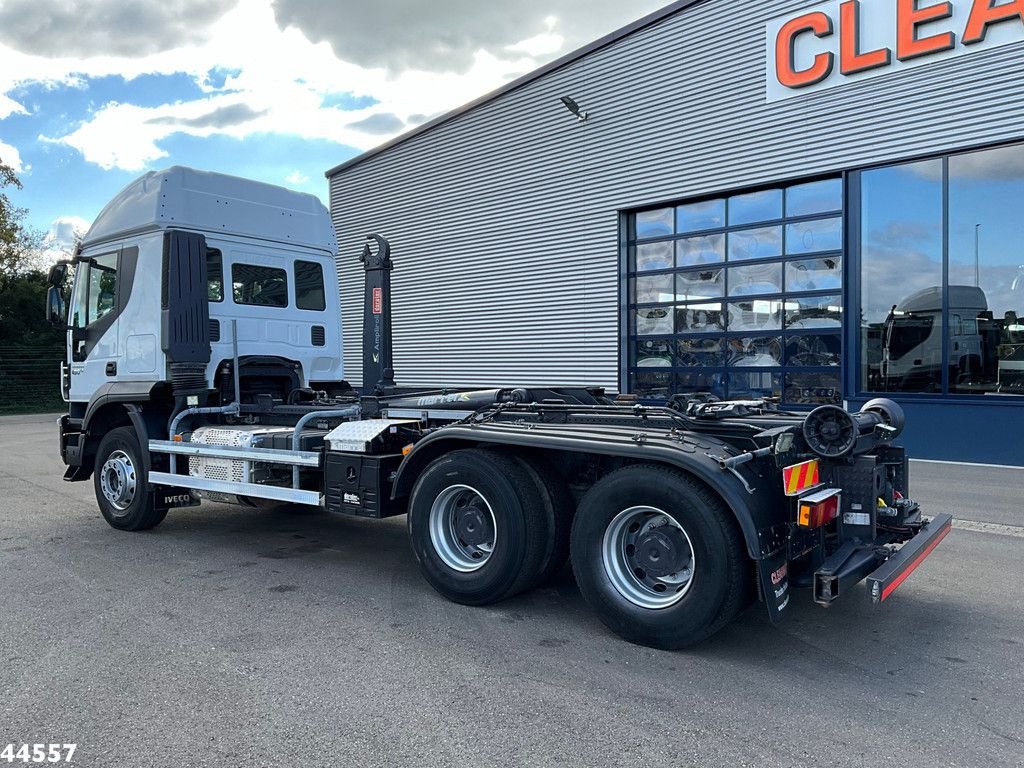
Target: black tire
<point x="559" y="508"/>
<point x="715" y="582"/>
<point x="126" y="511"/>
<point x="505" y="486"/>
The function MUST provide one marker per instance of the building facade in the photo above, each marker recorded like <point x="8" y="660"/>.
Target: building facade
<point x="820" y="203"/>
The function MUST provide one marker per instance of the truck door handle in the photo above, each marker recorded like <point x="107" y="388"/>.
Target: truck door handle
<point x="111" y="368"/>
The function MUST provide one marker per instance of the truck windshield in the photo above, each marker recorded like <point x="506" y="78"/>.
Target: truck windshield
<point x="909" y="333"/>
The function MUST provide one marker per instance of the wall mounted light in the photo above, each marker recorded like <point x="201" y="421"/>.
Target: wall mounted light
<point x="572" y="106"/>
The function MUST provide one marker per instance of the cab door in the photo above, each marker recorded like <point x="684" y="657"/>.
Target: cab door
<point x="93" y="331"/>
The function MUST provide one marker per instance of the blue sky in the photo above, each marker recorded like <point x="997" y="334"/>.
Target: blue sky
<point x="95" y="93"/>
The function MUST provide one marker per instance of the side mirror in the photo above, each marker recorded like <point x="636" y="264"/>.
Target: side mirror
<point x="58" y="274"/>
<point x="56" y="311"/>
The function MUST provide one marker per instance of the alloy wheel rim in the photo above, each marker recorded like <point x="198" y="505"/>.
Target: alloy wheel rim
<point x="118" y="481"/>
<point x="463" y="529"/>
<point x="648" y="557"/>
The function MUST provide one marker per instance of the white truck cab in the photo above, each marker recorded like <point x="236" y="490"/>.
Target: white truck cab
<point x="185" y="271"/>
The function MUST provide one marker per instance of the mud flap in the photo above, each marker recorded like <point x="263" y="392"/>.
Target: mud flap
<point x="773" y="575"/>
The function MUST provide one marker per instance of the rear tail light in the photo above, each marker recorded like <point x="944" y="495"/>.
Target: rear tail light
<point x="818" y="509"/>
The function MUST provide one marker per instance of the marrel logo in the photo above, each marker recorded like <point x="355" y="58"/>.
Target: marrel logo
<point x="840" y="42"/>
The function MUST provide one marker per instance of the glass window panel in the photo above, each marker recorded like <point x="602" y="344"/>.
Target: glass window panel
<point x="692" y="251"/>
<point x="654" y="223"/>
<point x="704" y="381"/>
<point x="755" y="279"/>
<point x="755" y="315"/>
<point x="700" y="318"/>
<point x="309" y="286"/>
<point x="761" y="243"/>
<point x="697" y="286"/>
<point x="986" y="272"/>
<point x="901" y="278"/>
<point x="651" y="385"/>
<point x="814" y="236"/>
<point x="755" y="207"/>
<point x="755" y="352"/>
<point x="816" y="197"/>
<point x="655" y="289"/>
<point x="813" y="389"/>
<point x="815" y="274"/>
<point x="695" y="217"/>
<point x="102" y="288"/>
<point x="814" y="312"/>
<point x="813" y="350"/>
<point x="649" y="256"/>
<point x="700" y="353"/>
<point x="754" y="385"/>
<point x="260" y="286"/>
<point x="653" y="353"/>
<point x="214" y="275"/>
<point x="653" y="321"/>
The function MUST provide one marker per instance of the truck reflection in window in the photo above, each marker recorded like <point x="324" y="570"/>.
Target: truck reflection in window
<point x="259" y="286"/>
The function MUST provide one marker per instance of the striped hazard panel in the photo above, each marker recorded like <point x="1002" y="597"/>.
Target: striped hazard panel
<point x="800" y="477"/>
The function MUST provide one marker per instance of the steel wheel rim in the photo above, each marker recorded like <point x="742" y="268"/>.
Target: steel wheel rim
<point x="118" y="481"/>
<point x="622" y="564"/>
<point x="455" y="528"/>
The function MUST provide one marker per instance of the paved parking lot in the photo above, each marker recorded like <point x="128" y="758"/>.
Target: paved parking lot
<point x="229" y="637"/>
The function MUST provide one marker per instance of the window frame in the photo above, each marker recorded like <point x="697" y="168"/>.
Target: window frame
<point x="209" y="277"/>
<point x="629" y="241"/>
<point x="248" y="265"/>
<point x="323" y="284"/>
<point x="855" y="359"/>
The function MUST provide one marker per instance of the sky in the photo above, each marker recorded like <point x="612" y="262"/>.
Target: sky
<point x="94" y="93"/>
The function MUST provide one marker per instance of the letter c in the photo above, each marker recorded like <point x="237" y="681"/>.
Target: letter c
<point x="820" y="25"/>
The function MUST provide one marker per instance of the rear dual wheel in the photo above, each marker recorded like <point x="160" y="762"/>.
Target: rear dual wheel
<point x="658" y="557"/>
<point x="486" y="525"/>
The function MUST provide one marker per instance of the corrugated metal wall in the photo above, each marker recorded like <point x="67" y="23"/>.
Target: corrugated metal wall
<point x="504" y="221"/>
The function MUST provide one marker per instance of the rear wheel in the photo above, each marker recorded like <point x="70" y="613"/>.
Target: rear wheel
<point x="559" y="507"/>
<point x="478" y="527"/>
<point x="658" y="557"/>
<point x="125" y="498"/>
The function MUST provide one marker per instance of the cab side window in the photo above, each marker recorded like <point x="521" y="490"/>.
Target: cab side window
<point x="259" y="286"/>
<point x="96" y="294"/>
<point x="309" y="286"/>
<point x="214" y="275"/>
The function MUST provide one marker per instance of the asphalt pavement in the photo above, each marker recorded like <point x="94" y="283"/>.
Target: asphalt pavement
<point x="233" y="637"/>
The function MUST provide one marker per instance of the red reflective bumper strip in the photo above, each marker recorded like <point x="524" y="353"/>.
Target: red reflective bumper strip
<point x="916" y="562"/>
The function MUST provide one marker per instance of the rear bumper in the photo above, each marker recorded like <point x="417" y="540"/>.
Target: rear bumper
<point x="886" y="579"/>
<point x="883" y="570"/>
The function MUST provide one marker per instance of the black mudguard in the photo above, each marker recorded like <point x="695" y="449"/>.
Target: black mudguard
<point x="751" y="493"/>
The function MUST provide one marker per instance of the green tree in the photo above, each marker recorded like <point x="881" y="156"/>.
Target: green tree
<point x="19" y="243"/>
<point x="30" y="348"/>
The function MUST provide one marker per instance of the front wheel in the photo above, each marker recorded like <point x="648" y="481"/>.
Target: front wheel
<point x="125" y="499"/>
<point x="658" y="557"/>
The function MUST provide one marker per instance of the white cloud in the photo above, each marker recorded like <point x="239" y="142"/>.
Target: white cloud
<point x="9" y="106"/>
<point x="10" y="156"/>
<point x="280" y="79"/>
<point x="296" y="179"/>
<point x="279" y="93"/>
<point x="64" y="230"/>
<point x="545" y="44"/>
